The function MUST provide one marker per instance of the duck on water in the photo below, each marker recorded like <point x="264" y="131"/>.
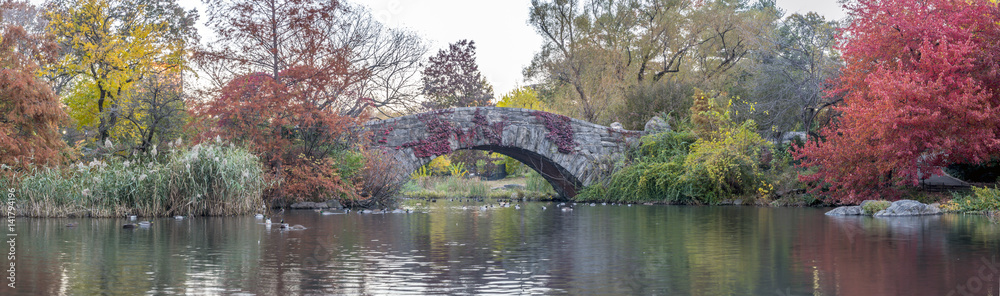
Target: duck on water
<point x="293" y="227"/>
<point x="140" y="224"/>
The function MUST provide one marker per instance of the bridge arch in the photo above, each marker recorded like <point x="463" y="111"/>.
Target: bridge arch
<point x="565" y="151"/>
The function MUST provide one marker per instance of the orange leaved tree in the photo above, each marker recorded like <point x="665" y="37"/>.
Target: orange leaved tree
<point x="29" y="110"/>
<point x="280" y="120"/>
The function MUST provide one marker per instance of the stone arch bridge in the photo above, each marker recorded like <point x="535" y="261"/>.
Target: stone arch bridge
<point x="569" y="153"/>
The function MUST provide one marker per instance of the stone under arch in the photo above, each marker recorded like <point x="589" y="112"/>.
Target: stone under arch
<point x="566" y="151"/>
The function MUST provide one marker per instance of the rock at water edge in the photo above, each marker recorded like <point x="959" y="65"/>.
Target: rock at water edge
<point x="908" y="207"/>
<point x="846" y="211"/>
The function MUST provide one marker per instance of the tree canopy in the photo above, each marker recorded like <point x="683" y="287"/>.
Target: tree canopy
<point x="286" y="89"/>
<point x="30" y="113"/>
<point x="111" y="45"/>
<point x="369" y="65"/>
<point x="595" y="52"/>
<point x="921" y="90"/>
<point x="452" y="78"/>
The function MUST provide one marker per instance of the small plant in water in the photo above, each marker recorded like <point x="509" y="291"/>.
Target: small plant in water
<point x="875" y="206"/>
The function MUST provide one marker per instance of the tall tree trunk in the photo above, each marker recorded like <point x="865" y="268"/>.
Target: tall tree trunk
<point x="102" y="127"/>
<point x="108" y="116"/>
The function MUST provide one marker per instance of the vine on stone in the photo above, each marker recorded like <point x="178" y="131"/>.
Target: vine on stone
<point x="382" y="135"/>
<point x="560" y="130"/>
<point x="440" y="132"/>
<point x="491" y="132"/>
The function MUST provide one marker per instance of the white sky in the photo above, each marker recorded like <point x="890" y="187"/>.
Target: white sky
<point x="505" y="43"/>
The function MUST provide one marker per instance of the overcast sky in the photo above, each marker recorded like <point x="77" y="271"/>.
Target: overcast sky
<point x="505" y="43"/>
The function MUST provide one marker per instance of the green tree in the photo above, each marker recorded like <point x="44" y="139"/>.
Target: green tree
<point x="788" y="78"/>
<point x="719" y="159"/>
<point x="595" y="53"/>
<point x="155" y="111"/>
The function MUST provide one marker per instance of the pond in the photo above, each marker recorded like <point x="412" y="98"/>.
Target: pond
<point x="452" y="247"/>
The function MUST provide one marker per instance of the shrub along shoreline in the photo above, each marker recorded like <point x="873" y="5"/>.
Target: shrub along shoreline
<point x="213" y="179"/>
<point x="460" y="186"/>
<point x="206" y="179"/>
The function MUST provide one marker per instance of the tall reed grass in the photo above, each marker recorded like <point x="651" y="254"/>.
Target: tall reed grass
<point x="206" y="179"/>
<point x="534" y="182"/>
<point x="455" y="187"/>
<point x="478" y="189"/>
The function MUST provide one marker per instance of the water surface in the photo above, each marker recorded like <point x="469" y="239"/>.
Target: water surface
<point x="461" y="248"/>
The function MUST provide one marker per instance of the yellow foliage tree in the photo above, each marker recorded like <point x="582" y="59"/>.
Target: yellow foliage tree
<point x="439" y="165"/>
<point x="522" y="97"/>
<point x="111" y="45"/>
<point x="707" y="115"/>
<point x="725" y="159"/>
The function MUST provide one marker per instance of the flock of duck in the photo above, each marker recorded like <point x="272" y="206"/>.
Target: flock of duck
<point x="140" y="224"/>
<point x="565" y="207"/>
<point x="282" y="225"/>
<point x="366" y="211"/>
<point x="147" y="224"/>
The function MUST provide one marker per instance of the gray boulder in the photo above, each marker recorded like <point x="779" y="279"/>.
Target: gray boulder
<point x="792" y="136"/>
<point x="509" y="187"/>
<point x="908" y="207"/>
<point x="846" y="211"/>
<point x="656" y="125"/>
<point x="309" y="205"/>
<point x="617" y="125"/>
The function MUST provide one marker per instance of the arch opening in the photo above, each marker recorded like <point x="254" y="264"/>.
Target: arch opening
<point x="563" y="182"/>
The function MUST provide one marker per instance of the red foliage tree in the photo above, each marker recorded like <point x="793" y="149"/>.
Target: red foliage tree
<point x="921" y="89"/>
<point x="281" y="121"/>
<point x="452" y="78"/>
<point x="29" y="110"/>
<point x="292" y="108"/>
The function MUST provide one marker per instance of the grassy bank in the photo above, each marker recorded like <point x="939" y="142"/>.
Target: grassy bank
<point x="536" y="188"/>
<point x="680" y="167"/>
<point x="206" y="179"/>
<point x="982" y="200"/>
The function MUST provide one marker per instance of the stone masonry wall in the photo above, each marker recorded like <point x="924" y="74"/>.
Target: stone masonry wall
<point x="539" y="139"/>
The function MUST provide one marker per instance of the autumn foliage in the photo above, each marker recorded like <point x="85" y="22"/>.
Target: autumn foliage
<point x="108" y="47"/>
<point x="29" y="110"/>
<point x="283" y="123"/>
<point x="921" y="90"/>
<point x="284" y="83"/>
<point x="452" y="78"/>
